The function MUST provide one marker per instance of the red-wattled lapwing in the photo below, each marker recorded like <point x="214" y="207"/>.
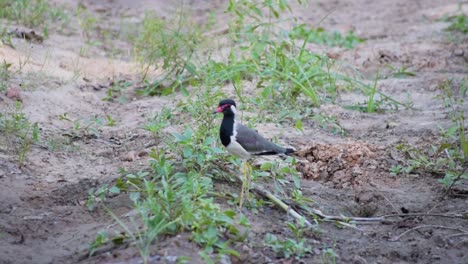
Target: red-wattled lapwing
<point x="244" y="142"/>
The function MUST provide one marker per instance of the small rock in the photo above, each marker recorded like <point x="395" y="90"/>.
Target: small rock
<point x="130" y="156"/>
<point x="104" y="153"/>
<point x="391" y="125"/>
<point x="359" y="260"/>
<point x="356" y="171"/>
<point x="333" y="55"/>
<point x="458" y="52"/>
<point x="433" y="87"/>
<point x="14" y="94"/>
<point x="142" y="153"/>
<point x="29" y="35"/>
<point x="224" y="259"/>
<point x="33" y="217"/>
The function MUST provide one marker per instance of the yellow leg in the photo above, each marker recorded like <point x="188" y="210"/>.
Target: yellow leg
<point x="247" y="172"/>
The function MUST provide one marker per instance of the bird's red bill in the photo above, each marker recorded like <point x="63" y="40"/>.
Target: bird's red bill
<point x="220" y="109"/>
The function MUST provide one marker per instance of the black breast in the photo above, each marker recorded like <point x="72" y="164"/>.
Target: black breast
<point x="226" y="130"/>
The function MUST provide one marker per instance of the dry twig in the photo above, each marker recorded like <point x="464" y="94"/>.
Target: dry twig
<point x="426" y="226"/>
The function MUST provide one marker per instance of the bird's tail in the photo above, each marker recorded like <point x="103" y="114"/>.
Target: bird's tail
<point x="290" y="151"/>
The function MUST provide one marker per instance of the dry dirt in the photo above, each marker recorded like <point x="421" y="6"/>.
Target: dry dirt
<point x="42" y="214"/>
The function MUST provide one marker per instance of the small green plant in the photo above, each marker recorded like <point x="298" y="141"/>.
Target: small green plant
<point x="170" y="45"/>
<point x="329" y="123"/>
<point x="396" y="169"/>
<point x="458" y="23"/>
<point x="296" y="247"/>
<point x="101" y="239"/>
<point x="400" y="72"/>
<point x="158" y="122"/>
<point x="285" y="72"/>
<point x="87" y="127"/>
<point x="371" y="105"/>
<point x="33" y="13"/>
<point x="115" y="92"/>
<point x="329" y="256"/>
<point x="322" y="37"/>
<point x="377" y="101"/>
<point x="171" y="201"/>
<point x="5" y="38"/>
<point x="87" y="22"/>
<point x="20" y="134"/>
<point x="5" y="75"/>
<point x="457" y="152"/>
<point x="448" y="155"/>
<point x="280" y="172"/>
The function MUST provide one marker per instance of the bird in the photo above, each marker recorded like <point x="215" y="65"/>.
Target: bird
<point x="244" y="142"/>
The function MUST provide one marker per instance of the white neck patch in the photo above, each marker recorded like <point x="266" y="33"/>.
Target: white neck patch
<point x="234" y="132"/>
<point x="233" y="109"/>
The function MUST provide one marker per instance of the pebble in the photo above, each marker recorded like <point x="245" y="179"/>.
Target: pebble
<point x="104" y="153"/>
<point x="142" y="153"/>
<point x="224" y="259"/>
<point x="359" y="260"/>
<point x="130" y="156"/>
<point x="14" y="94"/>
<point x="458" y="52"/>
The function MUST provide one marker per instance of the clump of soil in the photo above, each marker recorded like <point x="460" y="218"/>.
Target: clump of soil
<point x="342" y="165"/>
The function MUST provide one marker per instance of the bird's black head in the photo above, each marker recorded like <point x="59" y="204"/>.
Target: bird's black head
<point x="225" y="107"/>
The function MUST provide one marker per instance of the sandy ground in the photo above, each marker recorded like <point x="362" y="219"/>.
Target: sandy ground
<point x="42" y="214"/>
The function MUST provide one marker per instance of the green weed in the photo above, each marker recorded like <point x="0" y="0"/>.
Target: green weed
<point x="5" y="38"/>
<point x="170" y="201"/>
<point x="87" y="22"/>
<point x="285" y="73"/>
<point x="58" y="143"/>
<point x="104" y="238"/>
<point x="169" y="45"/>
<point x="281" y="69"/>
<point x="371" y="101"/>
<point x="5" y="75"/>
<point x="115" y="92"/>
<point x="87" y="127"/>
<point x="157" y="123"/>
<point x="322" y="37"/>
<point x="448" y="155"/>
<point x="20" y="134"/>
<point x="377" y="101"/>
<point x="33" y="13"/>
<point x="296" y="247"/>
<point x="400" y="72"/>
<point x="458" y="23"/>
<point x="329" y="256"/>
<point x="329" y="123"/>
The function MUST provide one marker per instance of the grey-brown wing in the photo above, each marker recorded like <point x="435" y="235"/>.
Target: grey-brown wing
<point x="253" y="142"/>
